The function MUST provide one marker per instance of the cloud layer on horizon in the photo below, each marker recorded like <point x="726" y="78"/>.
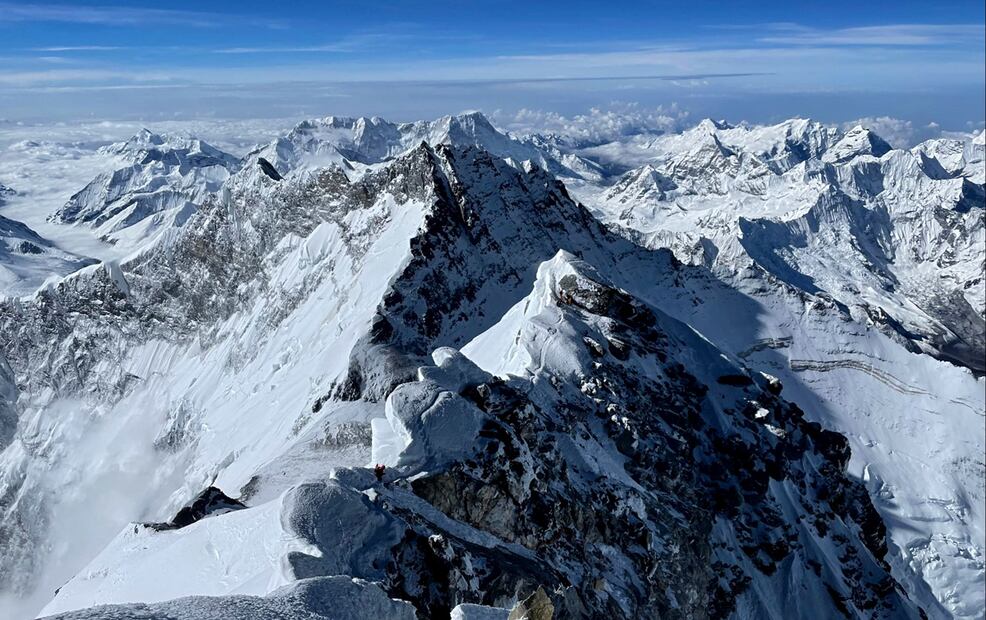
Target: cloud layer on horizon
<point x="59" y="51"/>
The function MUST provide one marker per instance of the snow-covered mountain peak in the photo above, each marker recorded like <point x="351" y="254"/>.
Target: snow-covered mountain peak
<point x="355" y="143"/>
<point x="162" y="181"/>
<point x="146" y="145"/>
<point x="710" y="126"/>
<point x="856" y="142"/>
<point x="639" y="187"/>
<point x="141" y="140"/>
<point x="779" y="173"/>
<point x="473" y="124"/>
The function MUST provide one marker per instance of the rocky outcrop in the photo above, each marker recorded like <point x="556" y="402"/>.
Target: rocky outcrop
<point x="209" y="502"/>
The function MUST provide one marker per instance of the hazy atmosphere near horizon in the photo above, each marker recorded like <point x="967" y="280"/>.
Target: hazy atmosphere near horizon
<point x="492" y="310"/>
<point x="835" y="61"/>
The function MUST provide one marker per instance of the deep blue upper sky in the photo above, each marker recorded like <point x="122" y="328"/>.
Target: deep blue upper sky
<point x="758" y="61"/>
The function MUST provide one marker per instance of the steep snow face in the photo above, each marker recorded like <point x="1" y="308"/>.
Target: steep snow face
<point x="253" y="309"/>
<point x="857" y="141"/>
<point x="162" y="184"/>
<point x="916" y="248"/>
<point x="150" y="350"/>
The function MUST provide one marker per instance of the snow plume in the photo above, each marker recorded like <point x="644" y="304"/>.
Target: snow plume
<point x="598" y="125"/>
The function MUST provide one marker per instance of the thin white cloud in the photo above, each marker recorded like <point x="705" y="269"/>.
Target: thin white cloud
<point x="902" y="133"/>
<point x="128" y="88"/>
<point x="898" y="132"/>
<point x="765" y="69"/>
<point x="348" y="44"/>
<point x="283" y="50"/>
<point x="118" y="15"/>
<point x="107" y="15"/>
<point x="77" y="48"/>
<point x="884" y="35"/>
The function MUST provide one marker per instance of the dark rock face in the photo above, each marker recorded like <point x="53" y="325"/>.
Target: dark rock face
<point x="535" y="607"/>
<point x="26" y="247"/>
<point x="209" y="502"/>
<point x="268" y="168"/>
<point x="734" y="380"/>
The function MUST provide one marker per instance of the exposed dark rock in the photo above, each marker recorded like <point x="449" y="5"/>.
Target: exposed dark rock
<point x="26" y="247"/>
<point x="535" y="607"/>
<point x="209" y="502"/>
<point x="735" y="380"/>
<point x="268" y="168"/>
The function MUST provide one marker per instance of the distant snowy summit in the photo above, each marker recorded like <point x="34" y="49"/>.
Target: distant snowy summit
<point x="161" y="183"/>
<point x="350" y="142"/>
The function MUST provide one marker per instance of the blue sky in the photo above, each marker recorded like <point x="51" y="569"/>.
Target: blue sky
<point x="755" y="61"/>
